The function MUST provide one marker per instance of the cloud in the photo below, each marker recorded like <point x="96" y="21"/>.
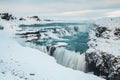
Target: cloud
<point x="114" y="13"/>
<point x="62" y="9"/>
<point x="81" y="12"/>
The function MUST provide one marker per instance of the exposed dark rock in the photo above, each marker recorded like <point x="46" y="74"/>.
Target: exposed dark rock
<point x="36" y="17"/>
<point x="91" y="60"/>
<point x="100" y="30"/>
<point x="50" y="49"/>
<point x="103" y="64"/>
<point x="7" y="16"/>
<point x="27" y="33"/>
<point x="114" y="72"/>
<point x="1" y="27"/>
<point x="33" y="35"/>
<point x="117" y="32"/>
<point x="32" y="74"/>
<point x="22" y="19"/>
<point x="76" y="28"/>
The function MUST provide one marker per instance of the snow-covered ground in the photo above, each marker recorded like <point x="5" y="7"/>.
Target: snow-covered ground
<point x="24" y="63"/>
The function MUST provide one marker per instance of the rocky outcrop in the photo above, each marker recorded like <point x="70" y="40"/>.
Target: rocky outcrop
<point x="102" y="57"/>
<point x="30" y="35"/>
<point x="103" y="64"/>
<point x="117" y="32"/>
<point x="22" y="19"/>
<point x="35" y="17"/>
<point x="50" y="50"/>
<point x="98" y="63"/>
<point x="7" y="16"/>
<point x="114" y="70"/>
<point x="1" y="27"/>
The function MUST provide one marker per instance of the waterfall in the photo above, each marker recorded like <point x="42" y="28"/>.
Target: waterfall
<point x="70" y="59"/>
<point x="75" y="38"/>
<point x="65" y="57"/>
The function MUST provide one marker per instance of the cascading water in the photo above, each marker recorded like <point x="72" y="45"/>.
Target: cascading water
<point x="70" y="59"/>
<point x="66" y="42"/>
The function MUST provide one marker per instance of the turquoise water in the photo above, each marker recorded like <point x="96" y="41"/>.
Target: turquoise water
<point x="78" y="42"/>
<point x="75" y="42"/>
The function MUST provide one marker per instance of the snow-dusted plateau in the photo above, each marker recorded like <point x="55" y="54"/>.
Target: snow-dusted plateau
<point x="42" y="49"/>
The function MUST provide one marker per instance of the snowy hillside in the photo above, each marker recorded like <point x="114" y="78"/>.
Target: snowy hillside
<point x="105" y="36"/>
<point x="24" y="63"/>
<point x="102" y="57"/>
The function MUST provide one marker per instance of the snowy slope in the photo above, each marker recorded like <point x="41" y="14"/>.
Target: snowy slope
<point x="105" y="36"/>
<point x="103" y="55"/>
<point x="23" y="63"/>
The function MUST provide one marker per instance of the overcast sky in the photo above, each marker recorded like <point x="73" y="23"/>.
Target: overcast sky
<point x="63" y="9"/>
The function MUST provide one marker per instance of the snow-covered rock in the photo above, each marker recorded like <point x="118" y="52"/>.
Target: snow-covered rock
<point x="98" y="62"/>
<point x="7" y="16"/>
<point x="102" y="64"/>
<point x="104" y="36"/>
<point x="114" y="71"/>
<point x="102" y="57"/>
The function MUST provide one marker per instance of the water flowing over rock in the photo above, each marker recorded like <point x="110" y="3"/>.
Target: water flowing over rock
<point x="30" y="35"/>
<point x="70" y="59"/>
<point x="61" y="42"/>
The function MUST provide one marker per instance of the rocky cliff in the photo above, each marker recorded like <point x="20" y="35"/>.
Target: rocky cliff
<point x="102" y="57"/>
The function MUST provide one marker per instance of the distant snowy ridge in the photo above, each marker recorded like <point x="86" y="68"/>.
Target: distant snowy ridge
<point x="24" y="20"/>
